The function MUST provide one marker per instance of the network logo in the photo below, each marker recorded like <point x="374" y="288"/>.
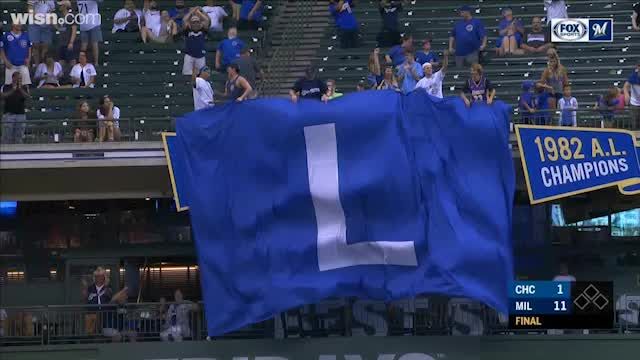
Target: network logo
<point x="591" y="296"/>
<point x="582" y="30"/>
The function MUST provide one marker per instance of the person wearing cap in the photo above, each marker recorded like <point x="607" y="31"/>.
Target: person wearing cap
<point x="346" y="22"/>
<point x="195" y="37"/>
<point x="432" y="82"/>
<point x="426" y="55"/>
<point x="468" y="38"/>
<point x="510" y="32"/>
<point x="390" y="33"/>
<point x="527" y="103"/>
<point x="237" y="88"/>
<point x="202" y="90"/>
<point x="632" y="96"/>
<point x="229" y="49"/>
<point x="309" y="87"/>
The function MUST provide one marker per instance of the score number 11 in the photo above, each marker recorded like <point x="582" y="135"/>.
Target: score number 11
<point x="560" y="305"/>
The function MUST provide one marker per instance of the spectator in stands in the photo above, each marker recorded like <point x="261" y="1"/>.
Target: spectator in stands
<point x="556" y="9"/>
<point x="85" y="122"/>
<point x="635" y="17"/>
<point x="250" y="14"/>
<point x="237" y="88"/>
<point x="554" y="78"/>
<point x="3" y="319"/>
<point x="374" y="77"/>
<point x="331" y="90"/>
<point x="607" y="106"/>
<point x="202" y="90"/>
<point x="360" y="86"/>
<point x="108" y="120"/>
<point x="478" y="86"/>
<point x="564" y="275"/>
<point x="229" y="49"/>
<point x="390" y="33"/>
<point x="178" y="322"/>
<point x="426" y="55"/>
<point x="632" y="96"/>
<point x="15" y="96"/>
<point x="249" y="69"/>
<point x="68" y="47"/>
<point x="432" y="82"/>
<point x="178" y="13"/>
<point x="99" y="293"/>
<point x="168" y="29"/>
<point x="409" y="73"/>
<point x="468" y="38"/>
<point x="48" y="73"/>
<point x="527" y="103"/>
<point x="152" y="21"/>
<point x="83" y="74"/>
<point x="389" y="81"/>
<point x="395" y="56"/>
<point x="309" y="87"/>
<point x="126" y="326"/>
<point x="41" y="35"/>
<point x="90" y="32"/>
<point x="537" y="40"/>
<point x="127" y="19"/>
<point x="543" y="109"/>
<point x="235" y="7"/>
<point x="195" y="38"/>
<point x="346" y="22"/>
<point x="15" y="51"/>
<point x="568" y="106"/>
<point x="216" y="16"/>
<point x="511" y="32"/>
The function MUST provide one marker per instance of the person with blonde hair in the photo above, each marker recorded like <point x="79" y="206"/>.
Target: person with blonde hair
<point x="478" y="86"/>
<point x="554" y="78"/>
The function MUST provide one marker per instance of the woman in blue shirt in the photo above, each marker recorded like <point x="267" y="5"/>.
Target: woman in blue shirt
<point x="250" y="15"/>
<point x="511" y="33"/>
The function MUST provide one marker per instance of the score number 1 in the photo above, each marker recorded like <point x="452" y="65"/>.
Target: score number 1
<point x="560" y="305"/>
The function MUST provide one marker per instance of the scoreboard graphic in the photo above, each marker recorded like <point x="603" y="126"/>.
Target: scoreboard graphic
<point x="561" y="305"/>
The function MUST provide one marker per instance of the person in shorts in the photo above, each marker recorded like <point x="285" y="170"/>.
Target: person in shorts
<point x="468" y="38"/>
<point x="15" y="52"/>
<point x="41" y="35"/>
<point x="90" y="32"/>
<point x="195" y="38"/>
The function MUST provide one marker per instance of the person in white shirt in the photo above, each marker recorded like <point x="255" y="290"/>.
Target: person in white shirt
<point x="431" y="82"/>
<point x="216" y="15"/>
<point x="83" y="74"/>
<point x="568" y="106"/>
<point x="152" y="21"/>
<point x="90" y="32"/>
<point x="632" y="96"/>
<point x="127" y="19"/>
<point x="48" y="73"/>
<point x="556" y="9"/>
<point x="202" y="91"/>
<point x="108" y="120"/>
<point x="40" y="35"/>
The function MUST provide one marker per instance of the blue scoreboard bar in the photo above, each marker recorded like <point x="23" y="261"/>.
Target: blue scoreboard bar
<point x="561" y="305"/>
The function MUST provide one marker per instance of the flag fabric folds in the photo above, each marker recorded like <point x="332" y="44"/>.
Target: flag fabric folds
<point x="376" y="195"/>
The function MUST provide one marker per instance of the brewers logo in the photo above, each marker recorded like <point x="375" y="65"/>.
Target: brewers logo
<point x="582" y="30"/>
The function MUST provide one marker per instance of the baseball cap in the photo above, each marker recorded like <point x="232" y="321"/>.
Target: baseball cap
<point x="427" y="64"/>
<point x="195" y="18"/>
<point x="204" y="69"/>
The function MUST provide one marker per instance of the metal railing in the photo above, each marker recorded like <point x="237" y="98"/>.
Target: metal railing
<point x="587" y="117"/>
<point x="50" y="325"/>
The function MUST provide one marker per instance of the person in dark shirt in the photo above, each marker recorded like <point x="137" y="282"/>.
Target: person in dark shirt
<point x="537" y="40"/>
<point x="390" y="33"/>
<point x="478" y="86"/>
<point x="237" y="88"/>
<point x="14" y="119"/>
<point x="426" y="55"/>
<point x="195" y="37"/>
<point x="249" y="69"/>
<point x="309" y="87"/>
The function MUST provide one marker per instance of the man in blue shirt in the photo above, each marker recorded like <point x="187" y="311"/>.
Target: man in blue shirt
<point x="250" y="14"/>
<point x="395" y="56"/>
<point x="426" y="55"/>
<point x="467" y="39"/>
<point x="15" y="51"/>
<point x="389" y="11"/>
<point x="178" y="13"/>
<point x="409" y="73"/>
<point x="346" y="22"/>
<point x="228" y="49"/>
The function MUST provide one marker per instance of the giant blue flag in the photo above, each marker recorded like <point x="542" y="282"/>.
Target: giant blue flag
<point x="376" y="195"/>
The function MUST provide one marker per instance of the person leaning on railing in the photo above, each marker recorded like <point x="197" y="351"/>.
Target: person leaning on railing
<point x="177" y="319"/>
<point x="100" y="293"/>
